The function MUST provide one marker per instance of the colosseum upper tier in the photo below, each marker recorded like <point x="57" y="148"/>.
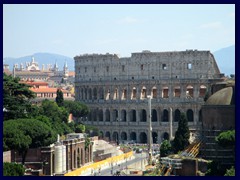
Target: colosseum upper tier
<point x="116" y="90"/>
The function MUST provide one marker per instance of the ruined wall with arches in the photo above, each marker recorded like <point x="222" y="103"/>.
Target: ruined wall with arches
<point x="116" y="91"/>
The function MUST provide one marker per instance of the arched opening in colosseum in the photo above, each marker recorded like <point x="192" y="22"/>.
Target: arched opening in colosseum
<point x="154" y="115"/>
<point x="107" y="136"/>
<point x="133" y="136"/>
<point x="124" y="94"/>
<point x="90" y="94"/>
<point x="177" y="91"/>
<point x="190" y="115"/>
<point x="115" y="137"/>
<point x="134" y="93"/>
<point x="200" y="115"/>
<point x="154" y="93"/>
<point x="114" y="115"/>
<point x="154" y="137"/>
<point x="177" y="115"/>
<point x="143" y="137"/>
<point x="95" y="93"/>
<point x="165" y="136"/>
<point x="124" y="136"/>
<point x="94" y="114"/>
<point x="123" y="116"/>
<point x="165" y="115"/>
<point x="132" y="115"/>
<point x="165" y="92"/>
<point x="108" y="94"/>
<point x="101" y="93"/>
<point x="143" y="93"/>
<point x="107" y="115"/>
<point x="115" y="95"/>
<point x="81" y="95"/>
<point x="85" y="93"/>
<point x="100" y="115"/>
<point x="143" y="115"/>
<point x="89" y="116"/>
<point x="202" y="91"/>
<point x="189" y="91"/>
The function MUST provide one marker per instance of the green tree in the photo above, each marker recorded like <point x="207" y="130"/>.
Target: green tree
<point x="181" y="140"/>
<point x="80" y="128"/>
<point x="22" y="134"/>
<point x="58" y="116"/>
<point x="59" y="98"/>
<point x="230" y="172"/>
<point x="165" y="148"/>
<point x="226" y="139"/>
<point x="13" y="169"/>
<point x="92" y="130"/>
<point x="76" y="108"/>
<point x="16" y="98"/>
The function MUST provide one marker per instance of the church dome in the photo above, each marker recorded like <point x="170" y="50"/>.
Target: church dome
<point x="224" y="96"/>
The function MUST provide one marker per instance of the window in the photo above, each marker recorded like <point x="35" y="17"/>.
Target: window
<point x="141" y="66"/>
<point x="94" y="69"/>
<point x="189" y="66"/>
<point x="107" y="68"/>
<point x="164" y="66"/>
<point x="85" y="69"/>
<point x="132" y="77"/>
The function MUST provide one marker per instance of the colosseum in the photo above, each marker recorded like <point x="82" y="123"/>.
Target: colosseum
<point x="116" y="91"/>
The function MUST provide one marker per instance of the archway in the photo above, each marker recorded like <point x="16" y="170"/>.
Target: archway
<point x="143" y="137"/>
<point x="154" y="115"/>
<point x="154" y="137"/>
<point x="177" y="115"/>
<point x="190" y="115"/>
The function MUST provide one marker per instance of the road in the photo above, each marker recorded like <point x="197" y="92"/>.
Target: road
<point x="112" y="170"/>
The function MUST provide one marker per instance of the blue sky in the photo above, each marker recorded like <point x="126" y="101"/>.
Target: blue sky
<point x="71" y="30"/>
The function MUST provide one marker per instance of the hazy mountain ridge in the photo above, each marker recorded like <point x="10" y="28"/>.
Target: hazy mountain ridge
<point x="225" y="58"/>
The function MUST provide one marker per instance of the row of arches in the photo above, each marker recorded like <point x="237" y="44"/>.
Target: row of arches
<point x="116" y="93"/>
<point x="142" y="137"/>
<point x="137" y="115"/>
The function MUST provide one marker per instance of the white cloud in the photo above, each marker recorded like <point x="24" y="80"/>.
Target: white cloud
<point x="212" y="25"/>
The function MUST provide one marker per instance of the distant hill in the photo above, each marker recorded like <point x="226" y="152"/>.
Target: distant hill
<point x="226" y="59"/>
<point x="42" y="58"/>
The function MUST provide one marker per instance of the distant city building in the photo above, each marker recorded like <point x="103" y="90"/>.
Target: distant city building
<point x="44" y="92"/>
<point x="31" y="71"/>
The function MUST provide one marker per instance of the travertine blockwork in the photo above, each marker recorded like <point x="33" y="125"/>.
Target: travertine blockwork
<point x="116" y="91"/>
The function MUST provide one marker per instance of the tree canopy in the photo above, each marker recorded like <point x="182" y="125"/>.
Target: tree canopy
<point x="76" y="108"/>
<point x="181" y="140"/>
<point x="226" y="139"/>
<point x="16" y="98"/>
<point x="13" y="169"/>
<point x="165" y="148"/>
<point x="22" y="134"/>
<point x="59" y="98"/>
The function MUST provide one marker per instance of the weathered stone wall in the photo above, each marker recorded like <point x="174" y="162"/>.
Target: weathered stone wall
<point x="116" y="91"/>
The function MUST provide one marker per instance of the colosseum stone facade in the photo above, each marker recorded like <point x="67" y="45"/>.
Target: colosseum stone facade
<point x="116" y="90"/>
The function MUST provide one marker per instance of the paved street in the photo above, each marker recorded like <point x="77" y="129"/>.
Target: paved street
<point x="112" y="170"/>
